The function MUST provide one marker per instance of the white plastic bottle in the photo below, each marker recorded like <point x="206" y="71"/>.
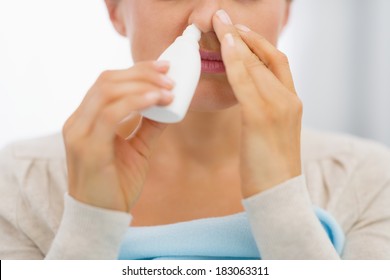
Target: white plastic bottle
<point x="185" y="69"/>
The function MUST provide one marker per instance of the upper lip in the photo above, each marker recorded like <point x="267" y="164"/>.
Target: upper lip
<point x="210" y="55"/>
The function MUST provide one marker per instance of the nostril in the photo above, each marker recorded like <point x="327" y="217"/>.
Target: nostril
<point x="203" y="27"/>
<point x="202" y="16"/>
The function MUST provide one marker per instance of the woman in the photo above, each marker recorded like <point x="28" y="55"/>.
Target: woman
<point x="229" y="181"/>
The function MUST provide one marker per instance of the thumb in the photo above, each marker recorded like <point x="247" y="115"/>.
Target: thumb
<point x="147" y="134"/>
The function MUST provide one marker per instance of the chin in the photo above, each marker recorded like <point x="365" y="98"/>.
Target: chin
<point x="213" y="94"/>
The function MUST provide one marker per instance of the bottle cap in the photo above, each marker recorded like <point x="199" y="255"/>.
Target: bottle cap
<point x="193" y="32"/>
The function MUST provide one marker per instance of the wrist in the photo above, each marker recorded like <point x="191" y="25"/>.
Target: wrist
<point x="252" y="187"/>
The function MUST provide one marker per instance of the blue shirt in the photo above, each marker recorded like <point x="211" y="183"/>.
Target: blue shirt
<point x="221" y="238"/>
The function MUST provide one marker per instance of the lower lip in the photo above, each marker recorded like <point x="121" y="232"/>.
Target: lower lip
<point x="213" y="66"/>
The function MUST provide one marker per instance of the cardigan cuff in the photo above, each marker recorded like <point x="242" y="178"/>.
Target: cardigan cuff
<point x="88" y="232"/>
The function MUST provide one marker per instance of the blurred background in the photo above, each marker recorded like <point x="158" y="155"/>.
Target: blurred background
<point x="51" y="52"/>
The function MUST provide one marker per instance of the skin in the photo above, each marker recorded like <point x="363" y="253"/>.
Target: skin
<point x="241" y="136"/>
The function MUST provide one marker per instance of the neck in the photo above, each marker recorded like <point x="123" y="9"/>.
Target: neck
<point x="205" y="139"/>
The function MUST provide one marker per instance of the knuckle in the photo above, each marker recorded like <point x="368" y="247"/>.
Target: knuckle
<point x="105" y="94"/>
<point x="68" y="129"/>
<point x="281" y="58"/>
<point x="73" y="142"/>
<point x="290" y="109"/>
<point x="67" y="133"/>
<point x="67" y="125"/>
<point x="106" y="75"/>
<point x="274" y="114"/>
<point x="298" y="105"/>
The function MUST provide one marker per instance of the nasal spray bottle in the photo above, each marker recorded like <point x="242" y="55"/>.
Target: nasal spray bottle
<point x="185" y="69"/>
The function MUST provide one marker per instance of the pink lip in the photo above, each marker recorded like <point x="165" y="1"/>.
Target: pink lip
<point x="212" y="62"/>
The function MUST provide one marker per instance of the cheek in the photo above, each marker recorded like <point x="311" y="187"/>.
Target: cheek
<point x="273" y="30"/>
<point x="267" y="22"/>
<point x="150" y="32"/>
<point x="147" y="41"/>
<point x="145" y="46"/>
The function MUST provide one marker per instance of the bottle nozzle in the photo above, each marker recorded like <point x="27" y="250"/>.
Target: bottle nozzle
<point x="193" y="32"/>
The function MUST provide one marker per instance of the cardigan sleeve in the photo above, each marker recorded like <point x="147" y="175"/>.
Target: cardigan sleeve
<point x="285" y="226"/>
<point x="88" y="232"/>
<point x="284" y="223"/>
<point x="14" y="244"/>
<point x="84" y="232"/>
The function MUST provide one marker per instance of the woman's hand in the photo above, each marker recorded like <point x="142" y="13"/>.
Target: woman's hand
<point x="104" y="169"/>
<point x="270" y="109"/>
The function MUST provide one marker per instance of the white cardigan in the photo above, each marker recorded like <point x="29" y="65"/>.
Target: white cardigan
<point x="346" y="176"/>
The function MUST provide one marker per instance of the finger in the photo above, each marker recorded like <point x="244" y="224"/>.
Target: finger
<point x="153" y="72"/>
<point x="241" y="81"/>
<point x="263" y="78"/>
<point x="237" y="57"/>
<point x="274" y="59"/>
<point x="111" y="93"/>
<point x="140" y="70"/>
<point x="106" y="122"/>
<point x="129" y="125"/>
<point x="135" y="75"/>
<point x="223" y="25"/>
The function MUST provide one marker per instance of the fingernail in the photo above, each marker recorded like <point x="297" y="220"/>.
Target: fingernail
<point x="242" y="27"/>
<point x="152" y="95"/>
<point x="167" y="81"/>
<point x="229" y="39"/>
<point x="161" y="64"/>
<point x="224" y="17"/>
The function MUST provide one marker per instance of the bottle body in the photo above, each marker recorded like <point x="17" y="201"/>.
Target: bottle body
<point x="185" y="69"/>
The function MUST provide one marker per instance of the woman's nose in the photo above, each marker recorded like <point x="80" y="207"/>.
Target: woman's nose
<point x="202" y="14"/>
